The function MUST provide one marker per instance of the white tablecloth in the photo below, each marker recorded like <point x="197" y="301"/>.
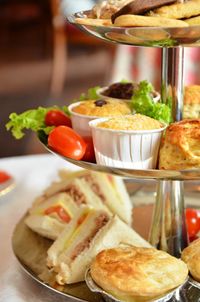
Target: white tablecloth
<point x="33" y="174"/>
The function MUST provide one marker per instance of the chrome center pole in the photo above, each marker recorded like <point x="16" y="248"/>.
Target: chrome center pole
<point x="168" y="231"/>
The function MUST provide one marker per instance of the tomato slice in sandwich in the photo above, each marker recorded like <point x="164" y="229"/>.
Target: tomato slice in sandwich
<point x="60" y="211"/>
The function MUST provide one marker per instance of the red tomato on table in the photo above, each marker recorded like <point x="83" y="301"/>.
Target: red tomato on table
<point x="193" y="222"/>
<point x="67" y="142"/>
<point x="57" y="117"/>
<point x="4" y="176"/>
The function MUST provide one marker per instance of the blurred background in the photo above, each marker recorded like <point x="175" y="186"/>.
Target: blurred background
<point x="45" y="61"/>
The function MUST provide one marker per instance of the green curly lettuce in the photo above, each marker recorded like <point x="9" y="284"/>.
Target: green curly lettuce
<point x="33" y="119"/>
<point x="143" y="103"/>
<point x="91" y="94"/>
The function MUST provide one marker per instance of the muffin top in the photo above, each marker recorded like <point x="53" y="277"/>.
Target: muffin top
<point x="132" y="122"/>
<point x="137" y="272"/>
<point x="102" y="108"/>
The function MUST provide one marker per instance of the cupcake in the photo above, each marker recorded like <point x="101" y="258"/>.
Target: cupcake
<point x="123" y="91"/>
<point x="84" y="112"/>
<point x="130" y="142"/>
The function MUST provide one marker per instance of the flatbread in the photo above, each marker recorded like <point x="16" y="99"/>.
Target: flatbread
<point x="134" y="20"/>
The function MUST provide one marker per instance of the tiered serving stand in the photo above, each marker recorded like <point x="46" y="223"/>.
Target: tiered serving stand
<point x="168" y="231"/>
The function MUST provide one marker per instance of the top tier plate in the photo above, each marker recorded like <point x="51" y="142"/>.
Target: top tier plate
<point x="142" y="36"/>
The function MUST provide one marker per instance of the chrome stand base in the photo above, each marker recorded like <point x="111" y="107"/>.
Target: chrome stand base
<point x="168" y="231"/>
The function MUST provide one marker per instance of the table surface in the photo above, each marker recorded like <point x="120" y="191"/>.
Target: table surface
<point x="33" y="174"/>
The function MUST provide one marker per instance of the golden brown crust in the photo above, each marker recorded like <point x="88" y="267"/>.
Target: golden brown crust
<point x="179" y="10"/>
<point x="192" y="94"/>
<point x="135" y="20"/>
<point x="109" y="108"/>
<point x="191" y="256"/>
<point x="137" y="272"/>
<point x="181" y="147"/>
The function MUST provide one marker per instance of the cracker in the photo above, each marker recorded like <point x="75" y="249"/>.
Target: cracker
<point x="93" y="22"/>
<point x="178" y="10"/>
<point x="193" y="21"/>
<point x="134" y="20"/>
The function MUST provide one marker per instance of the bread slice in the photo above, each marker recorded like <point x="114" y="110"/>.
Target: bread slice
<point x="110" y="189"/>
<point x="82" y="239"/>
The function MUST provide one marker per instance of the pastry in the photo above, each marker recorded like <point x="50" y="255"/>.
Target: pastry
<point x="137" y="273"/>
<point x="138" y="7"/>
<point x="105" y="9"/>
<point x="179" y="10"/>
<point x="193" y="21"/>
<point x="181" y="146"/>
<point x="89" y="233"/>
<point x="192" y="101"/>
<point x="191" y="256"/>
<point x="135" y="20"/>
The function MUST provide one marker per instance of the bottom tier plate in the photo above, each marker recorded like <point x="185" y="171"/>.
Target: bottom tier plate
<point x="30" y="250"/>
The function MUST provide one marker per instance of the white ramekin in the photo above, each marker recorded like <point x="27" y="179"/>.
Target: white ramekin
<point x="102" y="89"/>
<point x="80" y="122"/>
<point x="128" y="149"/>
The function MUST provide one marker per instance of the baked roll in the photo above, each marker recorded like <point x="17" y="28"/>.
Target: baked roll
<point x="191" y="256"/>
<point x="191" y="107"/>
<point x="137" y="273"/>
<point x="180" y="148"/>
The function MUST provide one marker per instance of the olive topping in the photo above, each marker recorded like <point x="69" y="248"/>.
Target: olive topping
<point x="100" y="103"/>
<point x="121" y="90"/>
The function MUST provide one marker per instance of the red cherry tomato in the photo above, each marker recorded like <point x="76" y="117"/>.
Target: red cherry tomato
<point x="89" y="153"/>
<point x="57" y="117"/>
<point x="67" y="142"/>
<point x="60" y="212"/>
<point x="4" y="176"/>
<point x="193" y="222"/>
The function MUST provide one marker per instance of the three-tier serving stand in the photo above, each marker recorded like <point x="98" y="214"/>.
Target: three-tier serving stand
<point x="168" y="231"/>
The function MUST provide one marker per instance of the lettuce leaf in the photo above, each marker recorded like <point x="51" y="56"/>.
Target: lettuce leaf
<point x="33" y="119"/>
<point x="91" y="94"/>
<point x="143" y="103"/>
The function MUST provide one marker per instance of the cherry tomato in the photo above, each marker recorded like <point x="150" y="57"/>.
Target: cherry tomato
<point x="89" y="153"/>
<point x="60" y="211"/>
<point x="193" y="222"/>
<point x="4" y="176"/>
<point x="67" y="142"/>
<point x="57" y="117"/>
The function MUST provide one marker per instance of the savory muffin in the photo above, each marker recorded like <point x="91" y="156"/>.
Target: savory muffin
<point x="191" y="256"/>
<point x="102" y="108"/>
<point x="137" y="273"/>
<point x="181" y="146"/>
<point x="191" y="102"/>
<point x="134" y="122"/>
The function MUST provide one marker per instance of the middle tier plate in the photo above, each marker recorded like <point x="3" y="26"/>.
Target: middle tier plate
<point x="193" y="174"/>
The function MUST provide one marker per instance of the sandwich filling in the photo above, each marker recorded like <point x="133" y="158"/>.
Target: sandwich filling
<point x="100" y="222"/>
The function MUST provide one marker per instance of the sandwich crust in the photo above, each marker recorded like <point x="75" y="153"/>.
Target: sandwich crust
<point x="137" y="272"/>
<point x="191" y="256"/>
<point x="181" y="147"/>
